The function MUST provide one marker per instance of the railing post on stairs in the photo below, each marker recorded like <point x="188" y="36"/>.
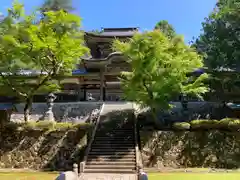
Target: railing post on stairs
<point x="75" y="168"/>
<point x="81" y="169"/>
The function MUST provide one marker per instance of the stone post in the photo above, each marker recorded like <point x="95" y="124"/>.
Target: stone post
<point x="81" y="170"/>
<point x="75" y="168"/>
<point x="184" y="102"/>
<point x="49" y="116"/>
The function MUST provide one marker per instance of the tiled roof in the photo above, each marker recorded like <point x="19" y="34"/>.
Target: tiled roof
<point x="118" y="33"/>
<point x="36" y="72"/>
<point x="115" y="32"/>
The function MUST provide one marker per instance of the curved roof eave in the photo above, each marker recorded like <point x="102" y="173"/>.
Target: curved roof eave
<point x="108" y="35"/>
<point x="90" y="59"/>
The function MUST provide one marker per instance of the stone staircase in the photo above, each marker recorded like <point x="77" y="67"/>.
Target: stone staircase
<point x="113" y="149"/>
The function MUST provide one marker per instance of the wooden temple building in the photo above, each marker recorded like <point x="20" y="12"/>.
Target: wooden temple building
<point x="103" y="66"/>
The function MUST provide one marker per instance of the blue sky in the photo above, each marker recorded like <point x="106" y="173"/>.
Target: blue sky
<point x="185" y="15"/>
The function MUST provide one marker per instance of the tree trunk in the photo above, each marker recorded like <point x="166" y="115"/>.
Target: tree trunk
<point x="154" y="116"/>
<point x="27" y="109"/>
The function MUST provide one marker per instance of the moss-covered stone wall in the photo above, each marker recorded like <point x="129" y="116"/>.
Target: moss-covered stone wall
<point x="186" y="149"/>
<point x="43" y="147"/>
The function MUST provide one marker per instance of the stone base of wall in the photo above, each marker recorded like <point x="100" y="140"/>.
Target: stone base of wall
<point x="38" y="149"/>
<point x="209" y="149"/>
<point x="75" y="112"/>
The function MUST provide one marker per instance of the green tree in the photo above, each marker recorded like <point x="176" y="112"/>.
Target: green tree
<point x="220" y="41"/>
<point x="165" y="28"/>
<point x="52" y="47"/>
<point x="56" y="5"/>
<point x="159" y="70"/>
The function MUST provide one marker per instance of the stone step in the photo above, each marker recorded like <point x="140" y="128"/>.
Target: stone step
<point x="118" y="171"/>
<point x="114" y="137"/>
<point x="106" y="138"/>
<point x="112" y="163"/>
<point x="121" y="139"/>
<point x="123" y="129"/>
<point x="113" y="146"/>
<point x="111" y="153"/>
<point x="111" y="156"/>
<point x="109" y="176"/>
<point x="115" y="128"/>
<point x="115" y="133"/>
<point x="130" y="158"/>
<point x="109" y="166"/>
<point x="112" y="150"/>
<point x="107" y="134"/>
<point x="113" y="143"/>
<point x="116" y="125"/>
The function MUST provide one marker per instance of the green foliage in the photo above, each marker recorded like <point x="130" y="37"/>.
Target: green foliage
<point x="53" y="46"/>
<point x="219" y="41"/>
<point x="166" y="28"/>
<point x="159" y="69"/>
<point x="223" y="124"/>
<point x="56" y="5"/>
<point x="204" y="124"/>
<point x="181" y="125"/>
<point x="45" y="125"/>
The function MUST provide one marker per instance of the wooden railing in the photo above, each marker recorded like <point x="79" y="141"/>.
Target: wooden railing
<point x="92" y="136"/>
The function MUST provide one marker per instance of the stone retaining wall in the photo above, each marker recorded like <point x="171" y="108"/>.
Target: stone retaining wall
<point x="210" y="149"/>
<point x="63" y="112"/>
<point x="38" y="149"/>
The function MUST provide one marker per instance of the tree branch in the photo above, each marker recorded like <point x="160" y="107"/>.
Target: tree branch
<point x="47" y="78"/>
<point x="5" y="79"/>
<point x="150" y="93"/>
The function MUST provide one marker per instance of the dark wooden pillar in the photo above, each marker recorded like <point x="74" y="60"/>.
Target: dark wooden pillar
<point x="79" y="88"/>
<point x="84" y="93"/>
<point x="104" y="93"/>
<point x="101" y="84"/>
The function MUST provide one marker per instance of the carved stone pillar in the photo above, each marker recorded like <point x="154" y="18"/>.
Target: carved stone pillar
<point x="49" y="116"/>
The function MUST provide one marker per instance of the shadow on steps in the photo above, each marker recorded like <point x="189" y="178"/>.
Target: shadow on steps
<point x="113" y="148"/>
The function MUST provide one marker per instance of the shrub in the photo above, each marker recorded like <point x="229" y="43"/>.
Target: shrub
<point x="44" y="125"/>
<point x="234" y="124"/>
<point x="181" y="125"/>
<point x="204" y="124"/>
<point x="41" y="125"/>
<point x="226" y="123"/>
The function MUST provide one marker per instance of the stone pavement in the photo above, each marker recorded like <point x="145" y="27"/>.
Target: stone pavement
<point x="98" y="176"/>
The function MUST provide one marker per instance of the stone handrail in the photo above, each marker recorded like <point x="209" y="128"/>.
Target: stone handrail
<point x="138" y="153"/>
<point x="82" y="164"/>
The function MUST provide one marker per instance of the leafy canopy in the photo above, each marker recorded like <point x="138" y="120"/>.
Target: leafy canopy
<point x="220" y="42"/>
<point x="57" y="5"/>
<point x="159" y="69"/>
<point x="166" y="28"/>
<point x="51" y="46"/>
